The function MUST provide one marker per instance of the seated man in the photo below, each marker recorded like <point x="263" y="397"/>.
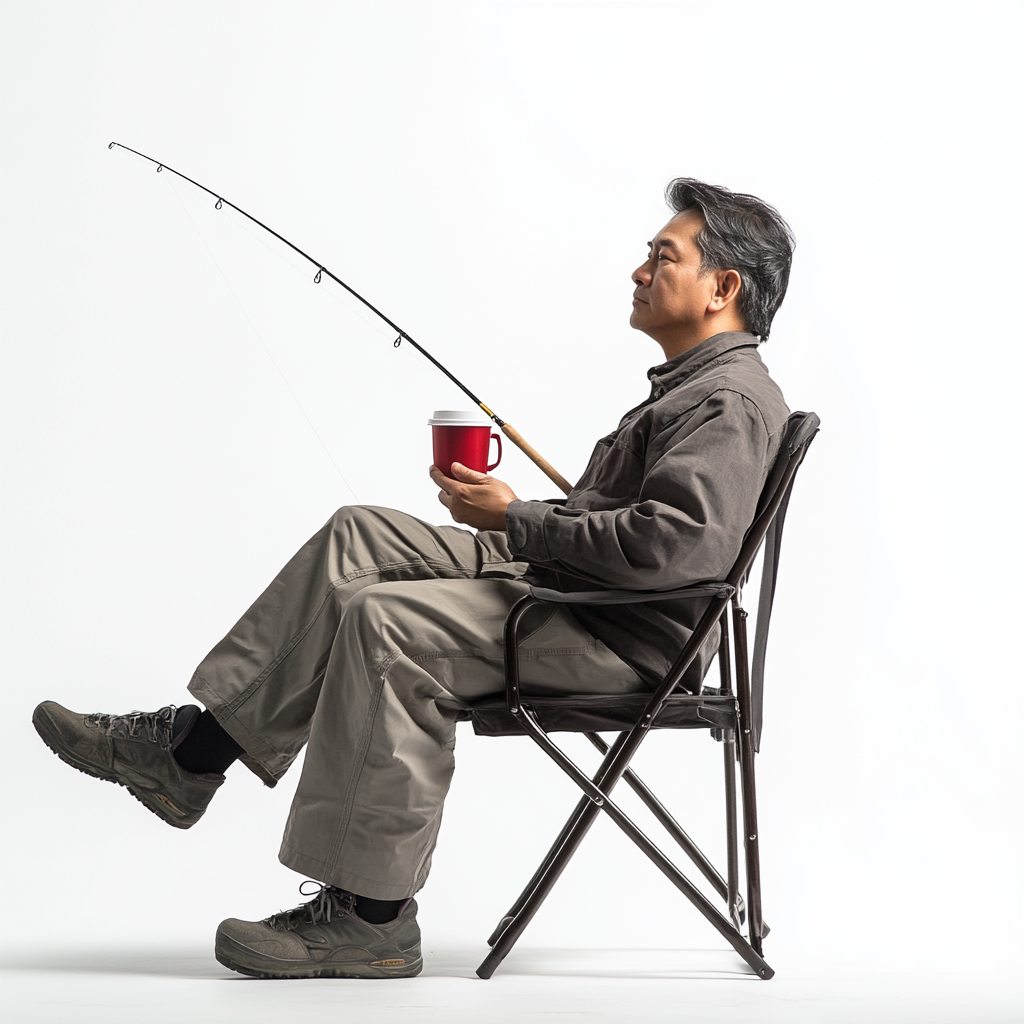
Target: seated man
<point x="374" y="638"/>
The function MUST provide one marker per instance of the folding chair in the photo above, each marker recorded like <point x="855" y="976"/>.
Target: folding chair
<point x="732" y="715"/>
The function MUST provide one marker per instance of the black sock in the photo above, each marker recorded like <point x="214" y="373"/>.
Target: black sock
<point x="205" y="748"/>
<point x="378" y="911"/>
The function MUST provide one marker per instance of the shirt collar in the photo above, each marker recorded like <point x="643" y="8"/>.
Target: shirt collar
<point x="666" y="376"/>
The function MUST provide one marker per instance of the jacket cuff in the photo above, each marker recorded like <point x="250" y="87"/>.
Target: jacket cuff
<point x="524" y="526"/>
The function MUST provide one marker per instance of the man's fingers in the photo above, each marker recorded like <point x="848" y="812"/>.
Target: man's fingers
<point x="467" y="475"/>
<point x="473" y="498"/>
<point x="446" y="483"/>
<point x="438" y="477"/>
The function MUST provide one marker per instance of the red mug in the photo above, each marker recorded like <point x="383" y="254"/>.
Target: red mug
<point x="465" y="437"/>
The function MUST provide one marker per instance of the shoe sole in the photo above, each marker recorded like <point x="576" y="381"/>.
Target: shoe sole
<point x="50" y="735"/>
<point x="238" y="957"/>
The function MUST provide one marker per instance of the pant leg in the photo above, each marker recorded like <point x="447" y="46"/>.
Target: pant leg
<point x="262" y="681"/>
<point x="407" y="657"/>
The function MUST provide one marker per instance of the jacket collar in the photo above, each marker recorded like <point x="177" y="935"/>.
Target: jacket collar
<point x="666" y="376"/>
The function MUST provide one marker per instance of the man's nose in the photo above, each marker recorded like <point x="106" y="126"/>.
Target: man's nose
<point x="642" y="275"/>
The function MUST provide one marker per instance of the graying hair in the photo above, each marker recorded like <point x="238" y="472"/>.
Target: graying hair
<point x="744" y="234"/>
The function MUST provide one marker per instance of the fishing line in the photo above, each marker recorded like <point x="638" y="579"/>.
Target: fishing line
<point x="266" y="348"/>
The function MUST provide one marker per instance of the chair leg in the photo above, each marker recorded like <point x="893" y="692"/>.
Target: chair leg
<point x="542" y="883"/>
<point x="732" y="898"/>
<point x="552" y="853"/>
<point x="746" y="758"/>
<point x="527" y="892"/>
<point x="751" y="843"/>
<point x="561" y="853"/>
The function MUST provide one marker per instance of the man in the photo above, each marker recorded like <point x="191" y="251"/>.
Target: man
<point x="374" y="638"/>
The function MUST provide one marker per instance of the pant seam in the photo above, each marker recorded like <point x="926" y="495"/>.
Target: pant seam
<point x="341" y="829"/>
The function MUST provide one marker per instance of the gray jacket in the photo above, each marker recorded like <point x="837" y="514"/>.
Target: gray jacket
<point x="664" y="502"/>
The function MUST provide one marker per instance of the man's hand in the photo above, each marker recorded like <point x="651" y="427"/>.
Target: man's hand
<point x="473" y="498"/>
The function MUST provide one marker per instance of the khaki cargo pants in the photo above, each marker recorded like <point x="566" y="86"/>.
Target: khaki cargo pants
<point x="366" y="646"/>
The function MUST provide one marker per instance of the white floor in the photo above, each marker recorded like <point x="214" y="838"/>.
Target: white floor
<point x="187" y="986"/>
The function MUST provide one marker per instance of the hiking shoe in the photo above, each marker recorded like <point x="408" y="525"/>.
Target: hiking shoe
<point x="324" y="938"/>
<point x="135" y="751"/>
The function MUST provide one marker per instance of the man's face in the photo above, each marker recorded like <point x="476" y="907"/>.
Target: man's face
<point x="671" y="296"/>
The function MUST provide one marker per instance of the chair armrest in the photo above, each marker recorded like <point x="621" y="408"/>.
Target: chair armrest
<point x="632" y="596"/>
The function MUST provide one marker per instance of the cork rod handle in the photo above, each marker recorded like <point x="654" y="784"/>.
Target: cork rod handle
<point x="531" y="453"/>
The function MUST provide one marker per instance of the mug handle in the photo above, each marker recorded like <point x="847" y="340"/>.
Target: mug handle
<point x="496" y="437"/>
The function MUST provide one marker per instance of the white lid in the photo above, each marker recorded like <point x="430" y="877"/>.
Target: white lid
<point x="458" y="418"/>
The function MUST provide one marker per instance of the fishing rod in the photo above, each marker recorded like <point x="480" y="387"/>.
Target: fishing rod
<point x="506" y="428"/>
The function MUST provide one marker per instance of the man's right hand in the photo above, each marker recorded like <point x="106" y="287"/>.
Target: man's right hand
<point x="473" y="499"/>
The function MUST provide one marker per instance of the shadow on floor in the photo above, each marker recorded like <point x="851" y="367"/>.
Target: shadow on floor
<point x="186" y="962"/>
<point x="194" y="963"/>
<point x="635" y="964"/>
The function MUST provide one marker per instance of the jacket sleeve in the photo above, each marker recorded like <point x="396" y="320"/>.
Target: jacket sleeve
<point x="702" y="476"/>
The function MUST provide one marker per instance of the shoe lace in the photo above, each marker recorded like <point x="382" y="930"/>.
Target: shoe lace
<point x="155" y="725"/>
<point x="328" y="901"/>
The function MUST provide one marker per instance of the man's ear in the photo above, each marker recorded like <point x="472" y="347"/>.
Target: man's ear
<point x="727" y="289"/>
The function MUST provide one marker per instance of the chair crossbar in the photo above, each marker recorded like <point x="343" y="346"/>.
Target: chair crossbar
<point x="680" y="835"/>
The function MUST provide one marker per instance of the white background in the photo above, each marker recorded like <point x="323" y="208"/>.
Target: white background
<point x="488" y="174"/>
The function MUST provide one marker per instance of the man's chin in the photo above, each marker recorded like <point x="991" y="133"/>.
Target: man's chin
<point x="636" y="321"/>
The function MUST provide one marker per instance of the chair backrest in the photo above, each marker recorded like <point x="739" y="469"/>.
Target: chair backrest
<point x="766" y="529"/>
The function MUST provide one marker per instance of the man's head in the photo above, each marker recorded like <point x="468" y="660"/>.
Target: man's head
<point x="721" y="263"/>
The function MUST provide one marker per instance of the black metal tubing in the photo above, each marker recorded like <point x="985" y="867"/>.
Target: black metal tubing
<point x="616" y="761"/>
<point x="732" y="896"/>
<point x="724" y="664"/>
<point x="751" y="842"/>
<point x="552" y="853"/>
<point x="529" y="902"/>
<point x="519" y="609"/>
<point x="600" y="801"/>
<point x="611" y="770"/>
<point x="669" y="823"/>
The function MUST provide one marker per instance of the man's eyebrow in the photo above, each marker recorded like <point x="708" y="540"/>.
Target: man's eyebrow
<point x="665" y="243"/>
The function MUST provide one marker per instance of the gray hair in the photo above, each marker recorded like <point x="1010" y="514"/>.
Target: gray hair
<point x="744" y="234"/>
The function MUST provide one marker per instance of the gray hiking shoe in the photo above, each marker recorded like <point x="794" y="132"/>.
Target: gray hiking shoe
<point x="135" y="751"/>
<point x="324" y="938"/>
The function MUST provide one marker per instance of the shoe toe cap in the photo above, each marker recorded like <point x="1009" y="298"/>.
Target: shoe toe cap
<point x="260" y="938"/>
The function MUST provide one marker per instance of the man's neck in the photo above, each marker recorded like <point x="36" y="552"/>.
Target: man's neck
<point x="677" y="344"/>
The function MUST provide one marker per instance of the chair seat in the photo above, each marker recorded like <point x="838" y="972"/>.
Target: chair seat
<point x="605" y="713"/>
